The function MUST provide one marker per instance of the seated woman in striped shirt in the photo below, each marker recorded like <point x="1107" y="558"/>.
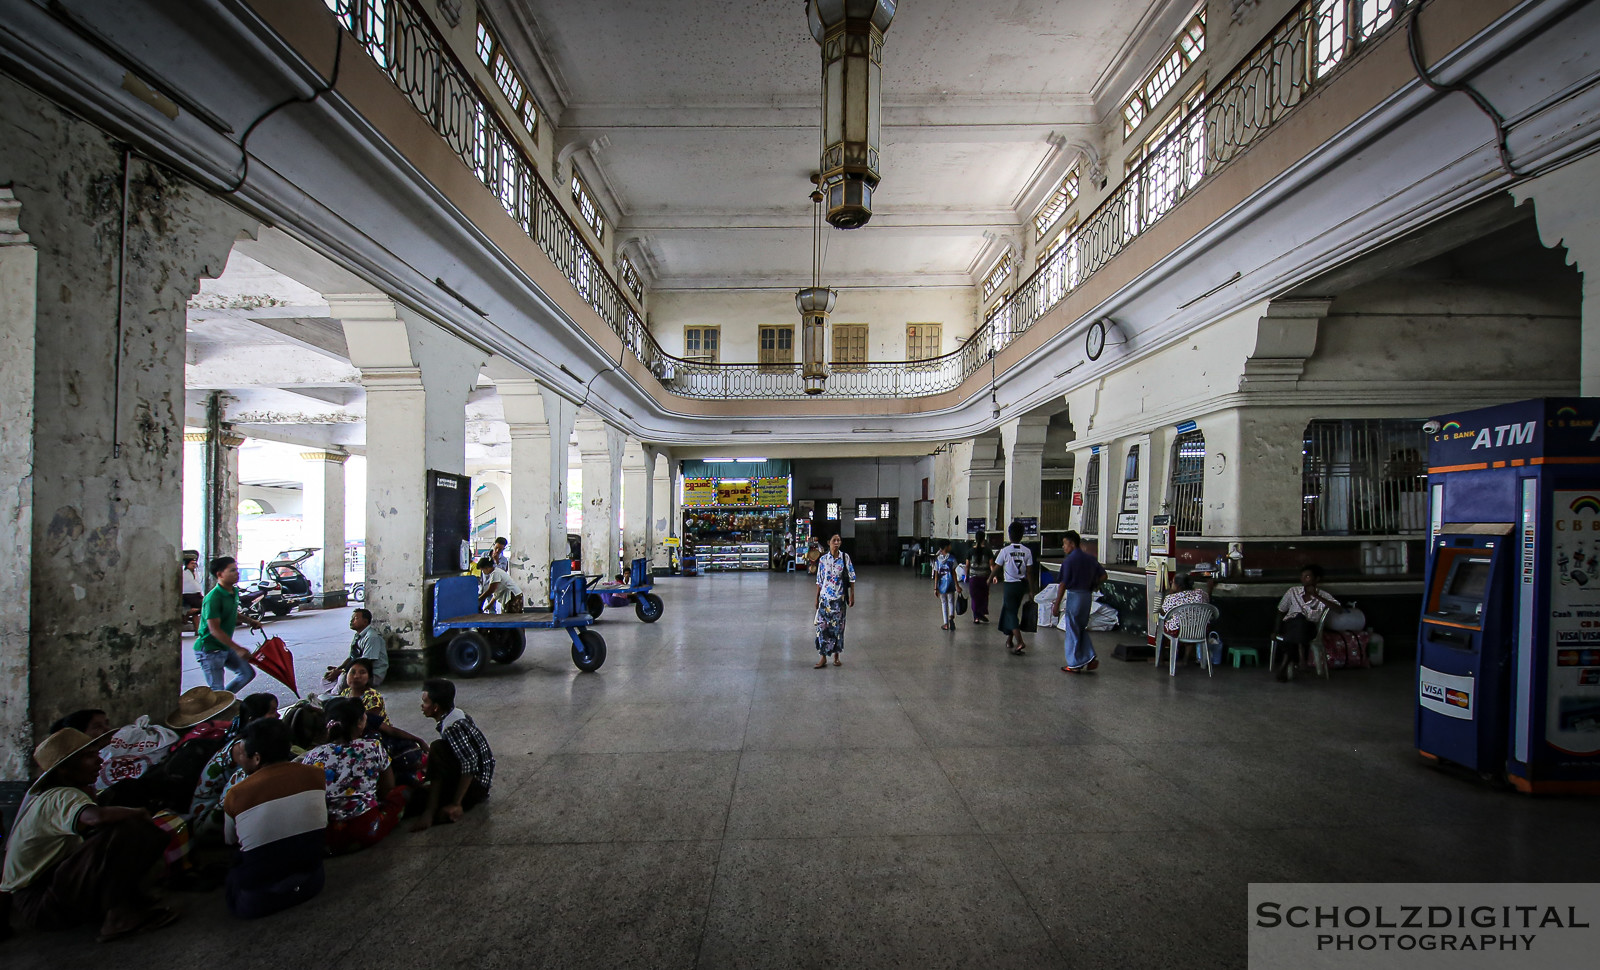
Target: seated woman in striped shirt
<point x="276" y="817"/>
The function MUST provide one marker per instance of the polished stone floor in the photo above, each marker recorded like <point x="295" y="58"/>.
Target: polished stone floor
<point x="709" y="800"/>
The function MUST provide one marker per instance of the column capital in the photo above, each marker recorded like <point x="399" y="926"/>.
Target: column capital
<point x="333" y="457"/>
<point x="229" y="439"/>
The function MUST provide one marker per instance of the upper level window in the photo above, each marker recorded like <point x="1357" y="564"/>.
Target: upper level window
<point x="924" y="340"/>
<point x="495" y="58"/>
<point x="1066" y="193"/>
<point x="587" y="209"/>
<point x="997" y="277"/>
<point x="776" y="345"/>
<point x="849" y="343"/>
<point x="1191" y="43"/>
<point x="703" y="344"/>
<point x="630" y="277"/>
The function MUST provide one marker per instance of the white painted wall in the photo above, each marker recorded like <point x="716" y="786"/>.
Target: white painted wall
<point x="741" y="313"/>
<point x="857" y="478"/>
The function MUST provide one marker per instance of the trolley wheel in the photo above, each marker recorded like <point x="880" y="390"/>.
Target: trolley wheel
<point x="648" y="606"/>
<point x="590" y="650"/>
<point x="506" y="645"/>
<point x="466" y="653"/>
<point x="594" y="605"/>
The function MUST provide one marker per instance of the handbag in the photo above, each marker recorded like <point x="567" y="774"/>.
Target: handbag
<point x="1028" y="621"/>
<point x="961" y="605"/>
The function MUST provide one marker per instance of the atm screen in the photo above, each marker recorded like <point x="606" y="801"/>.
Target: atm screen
<point x="1464" y="588"/>
<point x="1468" y="579"/>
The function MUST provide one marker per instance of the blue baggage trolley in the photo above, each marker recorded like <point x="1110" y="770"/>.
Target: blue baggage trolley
<point x="646" y="605"/>
<point x="472" y="639"/>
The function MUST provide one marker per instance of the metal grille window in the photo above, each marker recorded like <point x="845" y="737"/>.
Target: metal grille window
<point x="588" y="211"/>
<point x="1191" y="43"/>
<point x="1340" y="25"/>
<point x="1186" y="495"/>
<point x="1066" y="193"/>
<point x="506" y="76"/>
<point x="923" y="340"/>
<point x="997" y="277"/>
<point x="630" y="277"/>
<point x="1091" y="497"/>
<point x="1365" y="477"/>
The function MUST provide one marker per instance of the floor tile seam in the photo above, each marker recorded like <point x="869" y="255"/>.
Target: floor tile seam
<point x="988" y="841"/>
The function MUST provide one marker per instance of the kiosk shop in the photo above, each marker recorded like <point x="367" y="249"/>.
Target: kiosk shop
<point x="1508" y="649"/>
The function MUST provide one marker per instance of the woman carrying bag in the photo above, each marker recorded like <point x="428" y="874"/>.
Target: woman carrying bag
<point x="944" y="584"/>
<point x="836" y="592"/>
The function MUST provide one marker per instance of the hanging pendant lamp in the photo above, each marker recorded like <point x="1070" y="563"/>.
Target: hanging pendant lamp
<point x="851" y="35"/>
<point x="815" y="302"/>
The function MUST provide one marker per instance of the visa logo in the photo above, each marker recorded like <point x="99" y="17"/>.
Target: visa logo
<point x="1506" y="434"/>
<point x="1432" y="691"/>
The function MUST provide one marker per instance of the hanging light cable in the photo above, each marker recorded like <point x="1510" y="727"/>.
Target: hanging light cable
<point x="815" y="302"/>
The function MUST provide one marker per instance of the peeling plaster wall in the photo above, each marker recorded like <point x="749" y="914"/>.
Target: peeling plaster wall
<point x="106" y="528"/>
<point x="19" y="269"/>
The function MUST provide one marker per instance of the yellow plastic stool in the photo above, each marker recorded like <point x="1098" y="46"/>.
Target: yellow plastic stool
<point x="1237" y="654"/>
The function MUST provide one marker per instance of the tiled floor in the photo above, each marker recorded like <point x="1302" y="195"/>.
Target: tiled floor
<point x="709" y="800"/>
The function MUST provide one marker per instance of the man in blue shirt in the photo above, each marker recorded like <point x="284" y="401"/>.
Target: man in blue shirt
<point x="1080" y="574"/>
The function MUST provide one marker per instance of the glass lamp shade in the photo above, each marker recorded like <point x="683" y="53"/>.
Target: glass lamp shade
<point x="851" y="35"/>
<point x="815" y="303"/>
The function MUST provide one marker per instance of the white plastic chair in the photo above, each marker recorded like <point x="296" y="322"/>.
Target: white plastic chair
<point x="1194" y="619"/>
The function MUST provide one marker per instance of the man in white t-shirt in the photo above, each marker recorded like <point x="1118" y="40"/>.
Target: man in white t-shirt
<point x="1014" y="570"/>
<point x="495" y="588"/>
<point x="1299" y="612"/>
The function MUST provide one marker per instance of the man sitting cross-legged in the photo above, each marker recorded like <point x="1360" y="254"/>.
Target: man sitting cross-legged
<point x="276" y="817"/>
<point x="69" y="860"/>
<point x="460" y="763"/>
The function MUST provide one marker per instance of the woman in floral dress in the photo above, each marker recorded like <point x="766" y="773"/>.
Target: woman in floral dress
<point x="836" y="591"/>
<point x="406" y="751"/>
<point x="364" y="804"/>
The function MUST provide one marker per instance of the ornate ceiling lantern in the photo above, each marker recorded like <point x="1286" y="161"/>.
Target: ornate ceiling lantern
<point x="815" y="302"/>
<point x="851" y="34"/>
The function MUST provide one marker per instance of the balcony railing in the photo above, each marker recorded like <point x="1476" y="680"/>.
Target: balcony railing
<point x="1296" y="56"/>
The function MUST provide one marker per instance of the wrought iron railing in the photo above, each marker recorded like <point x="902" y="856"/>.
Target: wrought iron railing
<point x="402" y="41"/>
<point x="1294" y="58"/>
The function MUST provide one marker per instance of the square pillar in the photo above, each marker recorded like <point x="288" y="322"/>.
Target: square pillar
<point x="19" y="272"/>
<point x="662" y="518"/>
<point x="541" y="430"/>
<point x="417" y="379"/>
<point x="1023" y="439"/>
<point x="322" y="522"/>
<point x="121" y="245"/>
<point x="638" y="499"/>
<point x="600" y="447"/>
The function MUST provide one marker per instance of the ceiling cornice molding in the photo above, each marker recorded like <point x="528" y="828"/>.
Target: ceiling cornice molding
<point x="990" y="114"/>
<point x="796" y="280"/>
<point x="521" y="31"/>
<point x="795" y="217"/>
<point x="1156" y="29"/>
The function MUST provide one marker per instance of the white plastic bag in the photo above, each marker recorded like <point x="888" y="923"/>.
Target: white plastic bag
<point x="135" y="749"/>
<point x="1046" y="600"/>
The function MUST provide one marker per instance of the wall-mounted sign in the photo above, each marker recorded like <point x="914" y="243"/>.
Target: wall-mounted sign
<point x="1130" y="496"/>
<point x="772" y="491"/>
<point x="1030" y="525"/>
<point x="671" y="542"/>
<point x="1077" y="500"/>
<point x="699" y="492"/>
<point x="735" y="493"/>
<point x="977" y="526"/>
<point x="1128" y="524"/>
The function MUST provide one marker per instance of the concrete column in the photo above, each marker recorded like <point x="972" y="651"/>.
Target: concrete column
<point x="600" y="447"/>
<point x="219" y="494"/>
<point x="322" y="521"/>
<point x="417" y="379"/>
<point x="662" y="521"/>
<point x="19" y="273"/>
<point x="541" y="430"/>
<point x="984" y="475"/>
<point x="1023" y="439"/>
<point x="638" y="499"/>
<point x="121" y="247"/>
<point x="1569" y="215"/>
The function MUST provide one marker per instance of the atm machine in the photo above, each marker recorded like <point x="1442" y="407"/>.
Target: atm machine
<point x="1159" y="572"/>
<point x="1508" y="647"/>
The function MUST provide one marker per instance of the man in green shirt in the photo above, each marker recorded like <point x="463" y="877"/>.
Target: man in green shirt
<point x="219" y="617"/>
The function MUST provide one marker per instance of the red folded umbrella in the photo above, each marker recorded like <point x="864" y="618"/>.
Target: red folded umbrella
<point x="275" y="660"/>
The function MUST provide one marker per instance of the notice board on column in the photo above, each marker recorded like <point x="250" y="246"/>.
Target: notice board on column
<point x="449" y="522"/>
